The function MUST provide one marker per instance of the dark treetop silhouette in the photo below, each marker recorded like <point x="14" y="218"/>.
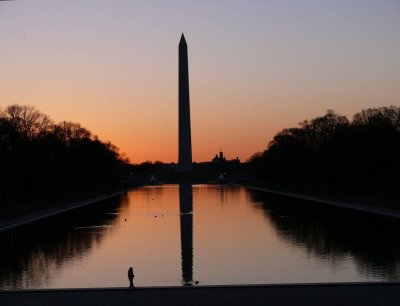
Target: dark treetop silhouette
<point x="39" y="156"/>
<point x="331" y="151"/>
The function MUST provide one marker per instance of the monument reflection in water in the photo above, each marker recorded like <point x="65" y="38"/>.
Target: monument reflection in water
<point x="186" y="226"/>
<point x="218" y="235"/>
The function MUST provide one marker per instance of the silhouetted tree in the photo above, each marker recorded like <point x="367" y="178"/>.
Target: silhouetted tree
<point x="27" y="121"/>
<point x="37" y="155"/>
<point x="332" y="151"/>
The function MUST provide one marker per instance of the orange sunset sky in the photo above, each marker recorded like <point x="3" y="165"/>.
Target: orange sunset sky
<point x="255" y="67"/>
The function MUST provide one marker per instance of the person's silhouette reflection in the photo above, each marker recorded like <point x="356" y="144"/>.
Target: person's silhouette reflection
<point x="130" y="277"/>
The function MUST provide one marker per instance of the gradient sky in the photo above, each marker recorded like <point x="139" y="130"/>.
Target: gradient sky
<point x="255" y="67"/>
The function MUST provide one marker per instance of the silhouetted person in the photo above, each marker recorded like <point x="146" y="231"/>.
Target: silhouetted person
<point x="130" y="277"/>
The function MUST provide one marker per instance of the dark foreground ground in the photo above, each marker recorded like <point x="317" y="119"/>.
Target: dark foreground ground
<point x="287" y="295"/>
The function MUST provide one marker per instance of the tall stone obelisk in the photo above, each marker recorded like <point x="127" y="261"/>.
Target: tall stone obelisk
<point x="185" y="138"/>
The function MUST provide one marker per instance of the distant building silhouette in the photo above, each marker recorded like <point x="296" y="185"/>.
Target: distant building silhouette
<point x="185" y="141"/>
<point x="218" y="158"/>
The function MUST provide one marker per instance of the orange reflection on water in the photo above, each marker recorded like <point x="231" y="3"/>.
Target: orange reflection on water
<point x="180" y="234"/>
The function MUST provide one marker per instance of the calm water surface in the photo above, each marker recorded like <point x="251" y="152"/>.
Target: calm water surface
<point x="179" y="234"/>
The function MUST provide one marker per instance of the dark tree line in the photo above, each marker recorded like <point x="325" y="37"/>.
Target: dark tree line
<point x="335" y="152"/>
<point x="38" y="155"/>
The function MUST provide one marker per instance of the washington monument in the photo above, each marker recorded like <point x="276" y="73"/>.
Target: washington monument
<point x="185" y="141"/>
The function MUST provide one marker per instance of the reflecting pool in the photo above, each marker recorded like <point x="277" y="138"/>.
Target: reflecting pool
<point x="210" y="234"/>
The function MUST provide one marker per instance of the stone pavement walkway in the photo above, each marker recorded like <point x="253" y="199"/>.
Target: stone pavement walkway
<point x="273" y="295"/>
<point x="53" y="211"/>
<point x="386" y="212"/>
